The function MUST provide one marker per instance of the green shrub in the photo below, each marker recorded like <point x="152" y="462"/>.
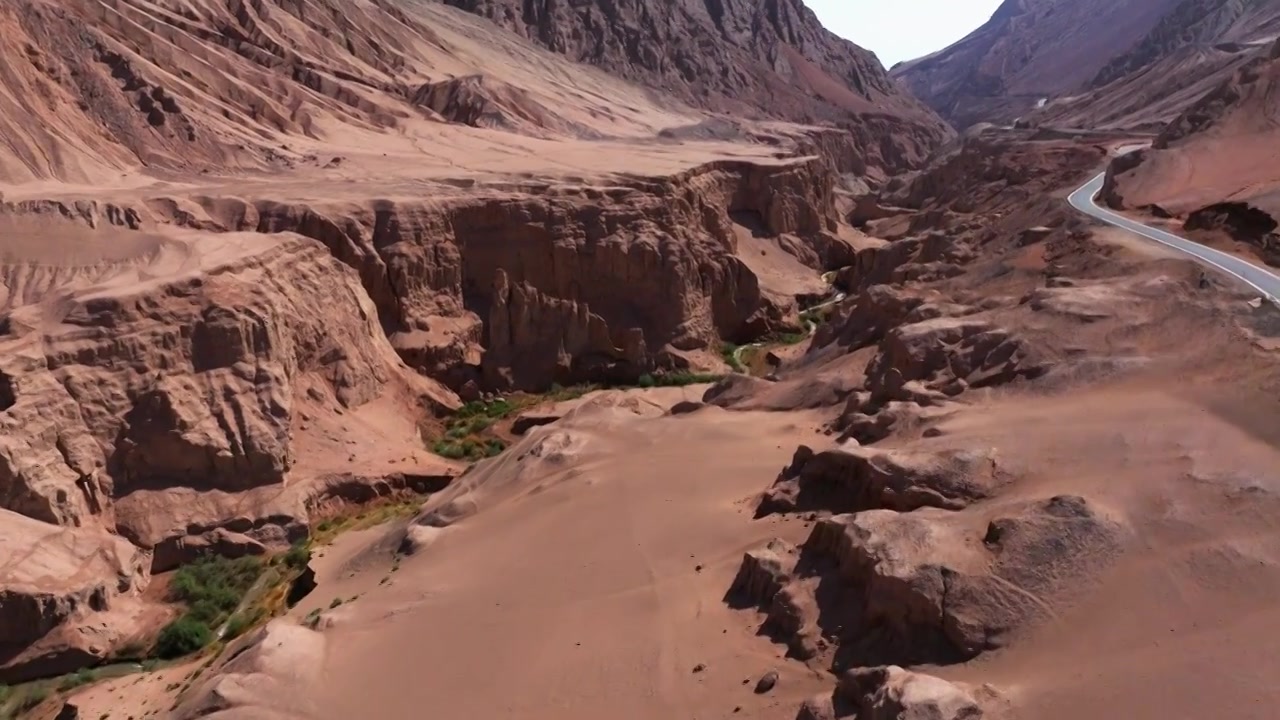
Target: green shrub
<point x="182" y="637"/>
<point x="493" y="409"/>
<point x="729" y="352"/>
<point x="34" y="697"/>
<point x="450" y="450"/>
<point x="792" y="338"/>
<point x="242" y="622"/>
<point x="678" y="379"/>
<point x="298" y="556"/>
<point x="84" y="676"/>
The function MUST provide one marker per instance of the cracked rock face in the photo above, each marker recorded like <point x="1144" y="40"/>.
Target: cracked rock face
<point x="192" y="386"/>
<point x="520" y="290"/>
<point x="145" y="422"/>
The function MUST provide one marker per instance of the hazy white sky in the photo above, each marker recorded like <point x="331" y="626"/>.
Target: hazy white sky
<point x="898" y="30"/>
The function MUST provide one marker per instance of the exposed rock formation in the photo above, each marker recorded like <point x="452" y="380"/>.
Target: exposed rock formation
<point x="480" y="101"/>
<point x="990" y="173"/>
<point x="768" y="59"/>
<point x="926" y="586"/>
<point x="574" y="284"/>
<point x="67" y="596"/>
<point x="891" y="693"/>
<point x="186" y="384"/>
<point x="924" y="363"/>
<point x="852" y="480"/>
<point x="157" y="393"/>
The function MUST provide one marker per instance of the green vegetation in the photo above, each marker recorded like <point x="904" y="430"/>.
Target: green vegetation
<point x="14" y="701"/>
<point x="76" y="679"/>
<point x="789" y="338"/>
<point x="242" y="622"/>
<point x="183" y="637"/>
<point x="33" y="698"/>
<point x="677" y="379"/>
<point x="729" y="352"/>
<point x="468" y="448"/>
<point x="469" y="432"/>
<point x="371" y="515"/>
<point x="212" y="588"/>
<point x="298" y="556"/>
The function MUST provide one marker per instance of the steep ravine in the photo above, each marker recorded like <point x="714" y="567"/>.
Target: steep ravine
<point x="183" y="414"/>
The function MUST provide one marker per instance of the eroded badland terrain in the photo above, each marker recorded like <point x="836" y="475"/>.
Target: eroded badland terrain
<point x="403" y="358"/>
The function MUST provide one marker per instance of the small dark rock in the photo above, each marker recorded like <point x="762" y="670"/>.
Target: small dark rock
<point x="698" y="569"/>
<point x="686" y="407"/>
<point x="767" y="682"/>
<point x="699" y="668"/>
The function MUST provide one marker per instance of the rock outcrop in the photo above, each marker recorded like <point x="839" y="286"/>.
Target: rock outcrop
<point x="1226" y="139"/>
<point x="68" y="596"/>
<point x="892" y="693"/>
<point x="153" y="406"/>
<point x="923" y="364"/>
<point x="882" y="587"/>
<point x="856" y="479"/>
<point x="190" y="383"/>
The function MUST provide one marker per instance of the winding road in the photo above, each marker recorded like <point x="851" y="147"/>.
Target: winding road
<point x="1260" y="279"/>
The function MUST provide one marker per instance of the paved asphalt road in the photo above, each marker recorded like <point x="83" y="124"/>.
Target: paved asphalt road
<point x="1256" y="277"/>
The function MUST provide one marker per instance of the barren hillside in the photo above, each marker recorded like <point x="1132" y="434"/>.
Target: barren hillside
<point x="769" y="59"/>
<point x="1029" y="51"/>
<point x="1194" y="48"/>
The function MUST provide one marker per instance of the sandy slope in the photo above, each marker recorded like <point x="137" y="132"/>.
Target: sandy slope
<point x="576" y="594"/>
<point x="1193" y="595"/>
